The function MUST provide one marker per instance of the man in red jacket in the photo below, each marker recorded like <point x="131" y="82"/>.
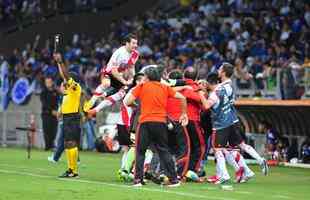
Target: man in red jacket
<point x="197" y="141"/>
<point x="178" y="138"/>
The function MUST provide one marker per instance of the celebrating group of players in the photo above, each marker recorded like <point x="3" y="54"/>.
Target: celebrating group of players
<point x="168" y="121"/>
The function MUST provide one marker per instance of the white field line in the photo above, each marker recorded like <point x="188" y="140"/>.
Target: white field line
<point x="281" y="196"/>
<point x="130" y="187"/>
<point x="167" y="191"/>
<point x="243" y="192"/>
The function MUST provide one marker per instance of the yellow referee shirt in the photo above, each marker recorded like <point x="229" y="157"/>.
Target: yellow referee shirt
<point x="71" y="98"/>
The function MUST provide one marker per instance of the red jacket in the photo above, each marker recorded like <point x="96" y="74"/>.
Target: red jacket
<point x="174" y="108"/>
<point x="193" y="103"/>
<point x="193" y="100"/>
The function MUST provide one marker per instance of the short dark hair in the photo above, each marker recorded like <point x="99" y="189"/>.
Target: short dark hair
<point x="152" y="74"/>
<point x="137" y="77"/>
<point x="190" y="73"/>
<point x="130" y="36"/>
<point x="228" y="69"/>
<point x="175" y="74"/>
<point x="161" y="69"/>
<point x="212" y="78"/>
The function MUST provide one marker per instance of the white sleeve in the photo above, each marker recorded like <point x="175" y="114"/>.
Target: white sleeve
<point x="213" y="99"/>
<point x="113" y="60"/>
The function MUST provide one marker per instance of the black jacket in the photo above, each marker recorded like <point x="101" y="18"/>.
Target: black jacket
<point x="49" y="101"/>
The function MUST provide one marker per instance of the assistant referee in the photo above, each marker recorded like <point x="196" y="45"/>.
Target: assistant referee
<point x="71" y="116"/>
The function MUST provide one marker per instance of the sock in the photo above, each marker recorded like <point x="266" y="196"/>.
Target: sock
<point x="251" y="151"/>
<point x="148" y="156"/>
<point x="241" y="162"/>
<point x="110" y="100"/>
<point x="124" y="158"/>
<point x="221" y="165"/>
<point x="148" y="160"/>
<point x="68" y="159"/>
<point x="73" y="157"/>
<point x="218" y="170"/>
<point x="230" y="158"/>
<point x="130" y="158"/>
<point x="103" y="104"/>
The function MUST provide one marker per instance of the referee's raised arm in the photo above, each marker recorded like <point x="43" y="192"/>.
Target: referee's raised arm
<point x="61" y="66"/>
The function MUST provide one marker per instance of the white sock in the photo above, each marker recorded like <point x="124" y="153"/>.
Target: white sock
<point x="251" y="151"/>
<point x="148" y="157"/>
<point x="221" y="165"/>
<point x="230" y="158"/>
<point x="124" y="158"/>
<point x="110" y="100"/>
<point x="242" y="163"/>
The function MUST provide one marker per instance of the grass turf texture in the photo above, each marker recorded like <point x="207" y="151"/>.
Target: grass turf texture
<point x="24" y="179"/>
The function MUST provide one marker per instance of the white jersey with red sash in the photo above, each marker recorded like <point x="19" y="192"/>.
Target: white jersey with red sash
<point x="125" y="116"/>
<point x="122" y="60"/>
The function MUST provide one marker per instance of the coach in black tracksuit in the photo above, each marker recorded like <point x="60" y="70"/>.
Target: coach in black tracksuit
<point x="49" y="97"/>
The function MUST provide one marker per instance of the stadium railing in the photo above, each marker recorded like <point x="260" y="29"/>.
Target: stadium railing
<point x="271" y="91"/>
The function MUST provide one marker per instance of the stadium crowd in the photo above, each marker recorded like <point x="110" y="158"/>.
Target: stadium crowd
<point x="15" y="12"/>
<point x="259" y="37"/>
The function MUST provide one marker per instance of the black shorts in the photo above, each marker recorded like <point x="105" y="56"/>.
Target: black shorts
<point x="123" y="135"/>
<point x="236" y="138"/>
<point x="72" y="127"/>
<point x="115" y="83"/>
<point x="227" y="137"/>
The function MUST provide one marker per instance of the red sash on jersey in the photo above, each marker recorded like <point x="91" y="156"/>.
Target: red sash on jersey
<point x="123" y="67"/>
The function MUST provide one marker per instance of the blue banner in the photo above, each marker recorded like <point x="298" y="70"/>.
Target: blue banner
<point x="20" y="91"/>
<point x="4" y="86"/>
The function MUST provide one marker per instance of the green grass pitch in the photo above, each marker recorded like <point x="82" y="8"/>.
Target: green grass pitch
<point x="36" y="179"/>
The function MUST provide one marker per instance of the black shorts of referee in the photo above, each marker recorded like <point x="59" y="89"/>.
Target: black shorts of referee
<point x="72" y="127"/>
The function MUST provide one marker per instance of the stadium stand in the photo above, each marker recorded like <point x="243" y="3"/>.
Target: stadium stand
<point x="271" y="53"/>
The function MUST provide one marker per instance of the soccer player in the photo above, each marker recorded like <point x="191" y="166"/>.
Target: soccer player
<point x="71" y="116"/>
<point x="124" y="123"/>
<point x="179" y="140"/>
<point x="152" y="123"/>
<point x="222" y="122"/>
<point x="194" y="129"/>
<point x="225" y="72"/>
<point x="118" y="73"/>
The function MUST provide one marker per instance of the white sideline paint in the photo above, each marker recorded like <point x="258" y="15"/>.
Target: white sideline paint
<point x="117" y="185"/>
<point x="280" y="196"/>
